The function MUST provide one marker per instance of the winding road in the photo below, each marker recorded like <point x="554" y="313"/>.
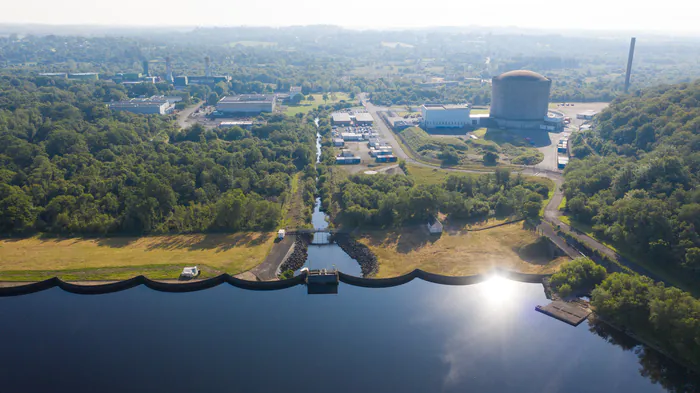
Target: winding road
<point x="551" y="212"/>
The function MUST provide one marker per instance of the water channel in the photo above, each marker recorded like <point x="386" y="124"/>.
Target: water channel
<point x="417" y="337"/>
<point x="331" y="255"/>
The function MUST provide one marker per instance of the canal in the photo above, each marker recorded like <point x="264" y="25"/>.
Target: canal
<point x="417" y="337"/>
<point x="331" y="255"/>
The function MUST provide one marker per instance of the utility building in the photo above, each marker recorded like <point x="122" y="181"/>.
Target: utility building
<point x="445" y="116"/>
<point x="246" y="104"/>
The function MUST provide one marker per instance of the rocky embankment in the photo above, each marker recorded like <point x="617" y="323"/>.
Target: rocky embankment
<point x="359" y="252"/>
<point x="298" y="257"/>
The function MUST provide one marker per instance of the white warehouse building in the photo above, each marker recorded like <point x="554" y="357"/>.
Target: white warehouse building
<point x="246" y="104"/>
<point x="142" y="107"/>
<point x="445" y="116"/>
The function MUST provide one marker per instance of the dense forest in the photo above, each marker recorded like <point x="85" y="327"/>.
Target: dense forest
<point x="392" y="200"/>
<point x="70" y="166"/>
<point x="637" y="180"/>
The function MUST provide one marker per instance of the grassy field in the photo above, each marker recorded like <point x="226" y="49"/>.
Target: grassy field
<point x="123" y="257"/>
<point x="428" y="146"/>
<point x="479" y="111"/>
<point x="459" y="253"/>
<point x="307" y="106"/>
<point x="425" y="175"/>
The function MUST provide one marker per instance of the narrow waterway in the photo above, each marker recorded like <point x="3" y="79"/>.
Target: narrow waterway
<point x="331" y="255"/>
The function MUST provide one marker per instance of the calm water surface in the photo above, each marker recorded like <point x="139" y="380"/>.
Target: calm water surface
<point x="418" y="337"/>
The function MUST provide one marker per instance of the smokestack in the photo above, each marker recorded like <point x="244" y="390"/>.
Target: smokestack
<point x="168" y="70"/>
<point x="145" y="68"/>
<point x="629" y="64"/>
<point x="207" y="67"/>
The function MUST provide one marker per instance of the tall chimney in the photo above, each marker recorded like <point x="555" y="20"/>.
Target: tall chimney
<point x="629" y="64"/>
<point x="145" y="68"/>
<point x="168" y="70"/>
<point x="207" y="67"/>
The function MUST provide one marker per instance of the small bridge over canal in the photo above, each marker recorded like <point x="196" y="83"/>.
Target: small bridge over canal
<point x="320" y="236"/>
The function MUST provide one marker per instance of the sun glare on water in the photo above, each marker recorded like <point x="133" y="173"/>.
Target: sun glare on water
<point x="496" y="290"/>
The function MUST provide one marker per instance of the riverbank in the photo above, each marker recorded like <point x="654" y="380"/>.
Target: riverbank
<point x="119" y="258"/>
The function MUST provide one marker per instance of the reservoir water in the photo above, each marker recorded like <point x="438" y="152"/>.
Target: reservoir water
<point x="327" y="256"/>
<point x="418" y="337"/>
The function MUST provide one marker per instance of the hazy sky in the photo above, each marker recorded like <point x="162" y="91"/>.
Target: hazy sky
<point x="669" y="15"/>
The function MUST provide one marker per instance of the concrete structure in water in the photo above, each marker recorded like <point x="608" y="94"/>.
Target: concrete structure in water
<point x="519" y="99"/>
<point x="246" y="104"/>
<point x="445" y="116"/>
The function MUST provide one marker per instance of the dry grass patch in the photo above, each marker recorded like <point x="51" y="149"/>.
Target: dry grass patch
<point x="231" y="253"/>
<point x="458" y="253"/>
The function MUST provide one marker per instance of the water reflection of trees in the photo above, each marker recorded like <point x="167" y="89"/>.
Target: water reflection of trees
<point x="655" y="366"/>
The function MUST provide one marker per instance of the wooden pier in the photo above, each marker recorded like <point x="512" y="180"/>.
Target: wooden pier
<point x="571" y="313"/>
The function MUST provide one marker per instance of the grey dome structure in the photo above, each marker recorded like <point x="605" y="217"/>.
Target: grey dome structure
<point x="520" y="96"/>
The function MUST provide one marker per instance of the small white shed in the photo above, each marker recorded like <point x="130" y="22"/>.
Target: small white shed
<point x="434" y="226"/>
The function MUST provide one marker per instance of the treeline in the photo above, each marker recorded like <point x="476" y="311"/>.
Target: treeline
<point x="638" y="182"/>
<point x="386" y="200"/>
<point x="71" y="166"/>
<point x="665" y="317"/>
<point x="388" y="92"/>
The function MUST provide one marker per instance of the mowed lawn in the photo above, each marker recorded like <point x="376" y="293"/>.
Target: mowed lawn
<point x="123" y="257"/>
<point x="457" y="254"/>
<point x="308" y="106"/>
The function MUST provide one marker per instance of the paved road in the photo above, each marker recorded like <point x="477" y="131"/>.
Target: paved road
<point x="267" y="270"/>
<point x="551" y="212"/>
<point x="183" y="118"/>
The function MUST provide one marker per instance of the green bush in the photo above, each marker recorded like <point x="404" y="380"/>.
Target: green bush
<point x="579" y="275"/>
<point x="287" y="274"/>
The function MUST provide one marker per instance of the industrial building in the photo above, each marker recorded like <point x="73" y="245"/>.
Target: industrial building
<point x="245" y="124"/>
<point x="246" y="104"/>
<point x="85" y="76"/>
<point x="363" y="119"/>
<point x="587" y="115"/>
<point x="520" y="99"/>
<point x="143" y="107"/>
<point x="445" y="116"/>
<point x="341" y="119"/>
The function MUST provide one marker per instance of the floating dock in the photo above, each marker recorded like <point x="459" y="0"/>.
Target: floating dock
<point x="571" y="313"/>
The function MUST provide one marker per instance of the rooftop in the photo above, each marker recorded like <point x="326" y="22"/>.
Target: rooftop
<point x="363" y="116"/>
<point x="442" y="107"/>
<point x="523" y="75"/>
<point x="248" y="98"/>
<point x="136" y="104"/>
<point x="341" y="116"/>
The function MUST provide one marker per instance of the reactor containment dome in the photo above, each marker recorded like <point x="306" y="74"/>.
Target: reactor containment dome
<point x="520" y="99"/>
